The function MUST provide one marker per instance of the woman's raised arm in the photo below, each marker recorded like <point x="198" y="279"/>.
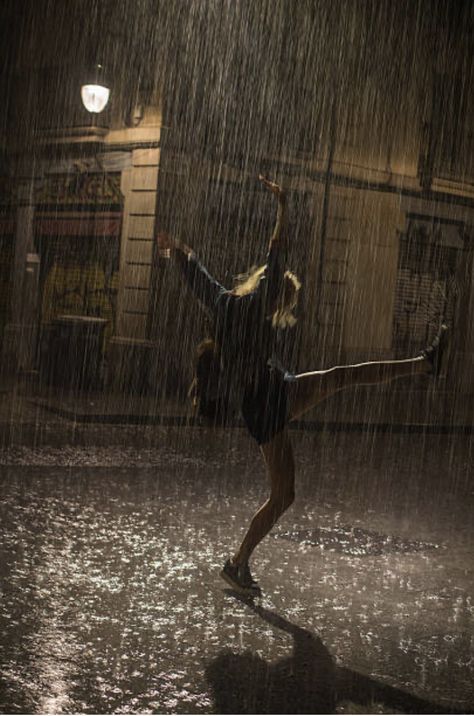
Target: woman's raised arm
<point x="282" y="215"/>
<point x="272" y="280"/>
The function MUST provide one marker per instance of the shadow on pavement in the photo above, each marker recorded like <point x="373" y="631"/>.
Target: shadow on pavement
<point x="306" y="682"/>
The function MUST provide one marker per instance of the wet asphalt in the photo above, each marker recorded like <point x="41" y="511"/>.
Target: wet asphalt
<point x="111" y="600"/>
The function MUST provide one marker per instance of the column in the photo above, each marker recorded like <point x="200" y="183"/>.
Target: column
<point x="20" y="341"/>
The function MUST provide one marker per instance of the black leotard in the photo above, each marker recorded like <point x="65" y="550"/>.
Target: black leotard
<point x="244" y="333"/>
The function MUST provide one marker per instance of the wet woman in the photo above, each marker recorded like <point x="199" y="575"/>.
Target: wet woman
<point x="247" y="372"/>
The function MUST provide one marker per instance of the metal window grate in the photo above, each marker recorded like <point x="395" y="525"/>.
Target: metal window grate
<point x="426" y="288"/>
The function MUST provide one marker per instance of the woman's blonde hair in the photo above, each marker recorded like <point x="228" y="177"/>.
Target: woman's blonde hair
<point x="282" y="316"/>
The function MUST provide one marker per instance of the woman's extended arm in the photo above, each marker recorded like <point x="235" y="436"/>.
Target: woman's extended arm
<point x="203" y="285"/>
<point x="274" y="272"/>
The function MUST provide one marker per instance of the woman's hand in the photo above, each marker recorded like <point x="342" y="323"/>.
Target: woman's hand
<point x="273" y="186"/>
<point x="168" y="246"/>
<point x="165" y="242"/>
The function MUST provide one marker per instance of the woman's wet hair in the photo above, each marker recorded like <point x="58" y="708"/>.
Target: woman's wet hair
<point x="246" y="283"/>
<point x="283" y="316"/>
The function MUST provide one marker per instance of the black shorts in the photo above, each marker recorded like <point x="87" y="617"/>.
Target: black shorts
<point x="265" y="405"/>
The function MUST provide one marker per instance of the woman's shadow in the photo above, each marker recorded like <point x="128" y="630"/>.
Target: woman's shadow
<point x="308" y="681"/>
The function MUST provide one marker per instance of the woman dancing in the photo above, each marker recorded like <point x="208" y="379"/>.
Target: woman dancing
<point x="240" y="365"/>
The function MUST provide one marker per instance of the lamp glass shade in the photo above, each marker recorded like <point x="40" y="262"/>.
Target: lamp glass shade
<point x="95" y="97"/>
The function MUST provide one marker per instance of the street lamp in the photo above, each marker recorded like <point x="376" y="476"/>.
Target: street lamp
<point x="95" y="94"/>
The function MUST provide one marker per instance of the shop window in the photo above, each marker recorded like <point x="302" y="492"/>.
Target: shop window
<point x="77" y="229"/>
<point x="79" y="276"/>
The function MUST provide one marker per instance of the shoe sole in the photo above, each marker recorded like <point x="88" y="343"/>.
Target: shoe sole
<point x="244" y="591"/>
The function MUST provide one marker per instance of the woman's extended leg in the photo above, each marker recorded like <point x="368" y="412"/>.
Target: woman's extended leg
<point x="309" y="389"/>
<point x="278" y="456"/>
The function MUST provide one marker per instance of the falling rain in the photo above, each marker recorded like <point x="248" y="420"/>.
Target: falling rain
<point x="170" y="415"/>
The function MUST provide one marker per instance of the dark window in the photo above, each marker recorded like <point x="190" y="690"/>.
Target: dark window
<point x="448" y="140"/>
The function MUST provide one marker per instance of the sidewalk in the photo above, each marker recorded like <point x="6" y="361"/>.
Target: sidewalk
<point x="36" y="413"/>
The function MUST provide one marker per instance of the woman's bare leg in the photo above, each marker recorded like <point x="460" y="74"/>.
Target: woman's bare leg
<point x="309" y="389"/>
<point x="278" y="456"/>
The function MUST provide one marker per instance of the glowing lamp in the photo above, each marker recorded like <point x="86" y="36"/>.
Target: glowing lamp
<point x="94" y="92"/>
<point x="95" y="97"/>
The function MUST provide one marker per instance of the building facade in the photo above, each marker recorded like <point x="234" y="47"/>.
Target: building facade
<point x="374" y="147"/>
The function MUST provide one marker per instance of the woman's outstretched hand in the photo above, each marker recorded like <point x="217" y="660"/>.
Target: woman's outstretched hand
<point x="273" y="186"/>
<point x="165" y="242"/>
<point x="167" y="245"/>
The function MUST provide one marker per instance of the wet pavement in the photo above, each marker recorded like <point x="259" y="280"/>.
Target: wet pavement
<point x="111" y="600"/>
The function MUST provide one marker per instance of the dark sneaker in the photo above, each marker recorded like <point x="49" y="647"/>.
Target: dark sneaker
<point x="240" y="579"/>
<point x="435" y="352"/>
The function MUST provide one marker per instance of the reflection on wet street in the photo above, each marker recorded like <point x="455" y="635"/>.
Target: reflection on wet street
<point x="111" y="600"/>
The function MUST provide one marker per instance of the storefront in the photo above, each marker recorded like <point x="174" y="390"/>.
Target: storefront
<point x="77" y="232"/>
<point x="77" y="236"/>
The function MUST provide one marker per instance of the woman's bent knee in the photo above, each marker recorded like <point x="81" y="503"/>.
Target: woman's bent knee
<point x="282" y="501"/>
